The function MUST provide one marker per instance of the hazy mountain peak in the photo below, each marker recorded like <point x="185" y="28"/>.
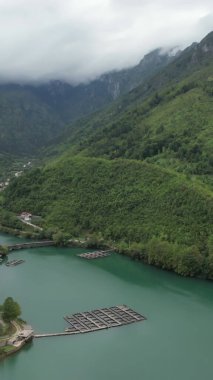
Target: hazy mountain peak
<point x="207" y="43"/>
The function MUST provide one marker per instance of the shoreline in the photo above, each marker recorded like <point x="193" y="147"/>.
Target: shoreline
<point x="13" y="350"/>
<point x="127" y="252"/>
<point x="15" y="342"/>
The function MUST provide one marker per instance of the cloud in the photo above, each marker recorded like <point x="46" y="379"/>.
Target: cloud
<point x="76" y="40"/>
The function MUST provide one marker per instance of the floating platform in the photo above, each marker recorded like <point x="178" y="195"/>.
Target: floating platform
<point x="14" y="263"/>
<point x="98" y="319"/>
<point x="94" y="255"/>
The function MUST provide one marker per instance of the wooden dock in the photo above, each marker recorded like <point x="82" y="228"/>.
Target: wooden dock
<point x="98" y="319"/>
<point x="95" y="254"/>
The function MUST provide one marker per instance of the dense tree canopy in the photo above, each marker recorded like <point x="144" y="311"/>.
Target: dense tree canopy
<point x="126" y="201"/>
<point x="11" y="310"/>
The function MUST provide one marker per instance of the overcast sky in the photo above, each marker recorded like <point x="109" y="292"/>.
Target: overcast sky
<point x="77" y="40"/>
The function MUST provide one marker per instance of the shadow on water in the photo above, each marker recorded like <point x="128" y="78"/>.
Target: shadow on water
<point x="3" y="260"/>
<point x="136" y="273"/>
<point x="54" y="251"/>
<point x="14" y="358"/>
<point x="144" y="275"/>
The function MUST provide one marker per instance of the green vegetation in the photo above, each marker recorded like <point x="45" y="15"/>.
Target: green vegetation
<point x="9" y="223"/>
<point x="173" y="129"/>
<point x="137" y="175"/>
<point x="11" y="310"/>
<point x="3" y="250"/>
<point x="127" y="201"/>
<point x="6" y="162"/>
<point x="6" y="329"/>
<point x="168" y="121"/>
<point x="10" y="164"/>
<point x="186" y="261"/>
<point x="5" y="350"/>
<point x="26" y="123"/>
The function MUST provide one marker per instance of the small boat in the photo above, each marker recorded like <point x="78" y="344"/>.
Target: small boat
<point x="14" y="263"/>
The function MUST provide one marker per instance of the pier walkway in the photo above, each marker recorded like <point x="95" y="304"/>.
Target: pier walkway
<point x="98" y="319"/>
<point x="33" y="244"/>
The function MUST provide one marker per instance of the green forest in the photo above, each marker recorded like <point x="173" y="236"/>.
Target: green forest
<point x="172" y="128"/>
<point x="127" y="202"/>
<point x="137" y="175"/>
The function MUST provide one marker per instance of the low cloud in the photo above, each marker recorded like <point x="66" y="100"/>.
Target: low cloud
<point x="77" y="41"/>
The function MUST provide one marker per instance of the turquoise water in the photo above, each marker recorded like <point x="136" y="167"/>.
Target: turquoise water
<point x="176" y="341"/>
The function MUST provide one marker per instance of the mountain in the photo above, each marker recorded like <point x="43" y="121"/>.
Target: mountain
<point x="137" y="174"/>
<point x="170" y="125"/>
<point x="72" y="102"/>
<point x="31" y="116"/>
<point x="25" y="121"/>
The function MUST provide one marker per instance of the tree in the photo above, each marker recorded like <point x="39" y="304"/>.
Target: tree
<point x="160" y="253"/>
<point x="210" y="245"/>
<point x="4" y="250"/>
<point x="189" y="262"/>
<point x="11" y="310"/>
<point x="60" y="238"/>
<point x="208" y="268"/>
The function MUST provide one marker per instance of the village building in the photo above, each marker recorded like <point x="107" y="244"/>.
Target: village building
<point x="17" y="174"/>
<point x="26" y="216"/>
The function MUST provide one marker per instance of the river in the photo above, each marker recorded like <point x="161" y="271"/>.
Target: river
<point x="174" y="343"/>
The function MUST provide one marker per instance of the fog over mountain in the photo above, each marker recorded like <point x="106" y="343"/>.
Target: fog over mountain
<point x="77" y="41"/>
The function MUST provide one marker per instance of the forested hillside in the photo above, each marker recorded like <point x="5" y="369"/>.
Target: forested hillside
<point x="173" y="127"/>
<point x="126" y="201"/>
<point x="139" y="173"/>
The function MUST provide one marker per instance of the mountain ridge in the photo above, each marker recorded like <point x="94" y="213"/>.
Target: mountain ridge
<point x="130" y="129"/>
<point x="39" y="113"/>
<point x="138" y="174"/>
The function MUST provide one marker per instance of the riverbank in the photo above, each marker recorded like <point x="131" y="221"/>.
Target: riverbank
<point x="55" y="282"/>
<point x="8" y="351"/>
<point x="186" y="261"/>
<point x="12" y="343"/>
